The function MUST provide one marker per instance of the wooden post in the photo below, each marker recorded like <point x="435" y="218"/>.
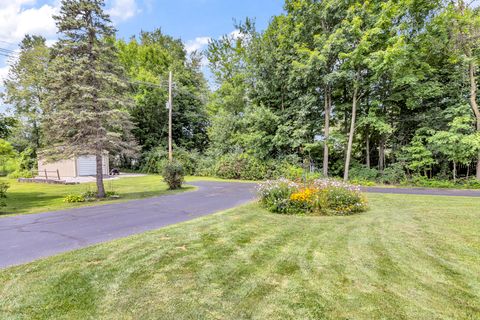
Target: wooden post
<point x="46" y="175"/>
<point x="58" y="174"/>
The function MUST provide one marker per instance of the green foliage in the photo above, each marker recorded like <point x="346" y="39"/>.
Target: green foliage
<point x="401" y="61"/>
<point x="147" y="59"/>
<point x="240" y="166"/>
<point x="3" y="193"/>
<point x="318" y="197"/>
<point x="8" y="158"/>
<point x="89" y="115"/>
<point x="23" y="164"/>
<point x="74" y="198"/>
<point x="363" y="173"/>
<point x="173" y="175"/>
<point x="419" y="157"/>
<point x="206" y="167"/>
<point x="344" y="201"/>
<point x="25" y="89"/>
<point x="155" y="160"/>
<point x="421" y="181"/>
<point x="112" y="194"/>
<point x="470" y="183"/>
<point x="275" y="195"/>
<point x="393" y="174"/>
<point x="7" y="125"/>
<point x="20" y="174"/>
<point x="89" y="195"/>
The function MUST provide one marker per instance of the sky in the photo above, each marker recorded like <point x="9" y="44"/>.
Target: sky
<point x="193" y="21"/>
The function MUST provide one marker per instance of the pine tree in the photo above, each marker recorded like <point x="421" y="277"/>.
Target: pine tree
<point x="87" y="98"/>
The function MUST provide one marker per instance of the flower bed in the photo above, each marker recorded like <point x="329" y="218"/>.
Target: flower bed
<point x="319" y="197"/>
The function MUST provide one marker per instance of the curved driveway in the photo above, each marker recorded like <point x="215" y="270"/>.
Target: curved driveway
<point x="29" y="237"/>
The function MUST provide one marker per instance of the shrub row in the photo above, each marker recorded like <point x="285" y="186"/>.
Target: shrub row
<point x="395" y="174"/>
<point x="239" y="166"/>
<point x="246" y="167"/>
<point x="243" y="166"/>
<point x="318" y="197"/>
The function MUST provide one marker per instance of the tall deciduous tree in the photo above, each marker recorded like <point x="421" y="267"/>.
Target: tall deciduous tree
<point x="147" y="59"/>
<point x="466" y="37"/>
<point x="25" y="86"/>
<point x="87" y="96"/>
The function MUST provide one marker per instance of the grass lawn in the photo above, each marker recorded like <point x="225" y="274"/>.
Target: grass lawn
<point x="409" y="257"/>
<point x="25" y="198"/>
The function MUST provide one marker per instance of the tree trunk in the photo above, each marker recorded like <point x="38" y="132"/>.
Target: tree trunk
<point x="100" y="186"/>
<point x="367" y="147"/>
<point x="473" y="103"/>
<point x="381" y="155"/>
<point x="350" y="137"/>
<point x="328" y="108"/>
<point x="454" y="171"/>
<point x="36" y="133"/>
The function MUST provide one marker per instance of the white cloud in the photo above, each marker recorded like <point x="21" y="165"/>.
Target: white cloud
<point x="235" y="34"/>
<point x="122" y="10"/>
<point x="197" y="44"/>
<point x="3" y="73"/>
<point x="19" y="17"/>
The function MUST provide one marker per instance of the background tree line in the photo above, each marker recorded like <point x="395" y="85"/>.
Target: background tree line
<point x="369" y="90"/>
<point x="358" y="87"/>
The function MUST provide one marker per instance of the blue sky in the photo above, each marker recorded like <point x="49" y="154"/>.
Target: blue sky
<point x="193" y="21"/>
<point x="189" y="19"/>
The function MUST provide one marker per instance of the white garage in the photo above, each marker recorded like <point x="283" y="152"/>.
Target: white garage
<point x="81" y="166"/>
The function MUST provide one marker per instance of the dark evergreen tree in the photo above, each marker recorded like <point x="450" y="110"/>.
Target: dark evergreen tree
<point x="87" y="98"/>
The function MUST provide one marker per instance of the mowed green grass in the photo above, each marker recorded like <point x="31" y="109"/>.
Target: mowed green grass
<point x="25" y="198"/>
<point x="409" y="257"/>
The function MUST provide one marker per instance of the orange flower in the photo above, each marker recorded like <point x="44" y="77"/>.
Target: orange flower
<point x="304" y="195"/>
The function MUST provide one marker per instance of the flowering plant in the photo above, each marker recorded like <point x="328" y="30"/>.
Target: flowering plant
<point x="320" y="197"/>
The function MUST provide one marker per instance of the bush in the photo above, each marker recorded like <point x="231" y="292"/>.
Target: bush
<point x="156" y="160"/>
<point x="318" y="197"/>
<point x="20" y="174"/>
<point x="421" y="181"/>
<point x="275" y="195"/>
<point x="471" y="183"/>
<point x="365" y="183"/>
<point x="393" y="174"/>
<point x="205" y="167"/>
<point x="173" y="175"/>
<point x="287" y="170"/>
<point x="3" y="193"/>
<point x="112" y="194"/>
<point x="89" y="195"/>
<point x="240" y="166"/>
<point x="74" y="198"/>
<point x="362" y="173"/>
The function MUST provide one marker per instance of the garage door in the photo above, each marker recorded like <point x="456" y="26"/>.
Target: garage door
<point x="86" y="166"/>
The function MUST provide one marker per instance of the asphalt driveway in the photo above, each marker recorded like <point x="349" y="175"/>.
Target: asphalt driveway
<point x="30" y="237"/>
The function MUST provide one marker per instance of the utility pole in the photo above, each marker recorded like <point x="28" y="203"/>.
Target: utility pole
<point x="170" y="107"/>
